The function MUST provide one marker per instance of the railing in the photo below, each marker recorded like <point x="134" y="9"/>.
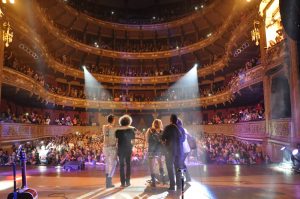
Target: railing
<point x="130" y="55"/>
<point x="255" y="130"/>
<point x="150" y="27"/>
<point x="19" y="80"/>
<point x="57" y="66"/>
<point x="250" y="130"/>
<point x="16" y="131"/>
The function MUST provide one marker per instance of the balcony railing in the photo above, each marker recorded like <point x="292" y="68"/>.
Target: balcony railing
<point x="19" y="80"/>
<point x="250" y="130"/>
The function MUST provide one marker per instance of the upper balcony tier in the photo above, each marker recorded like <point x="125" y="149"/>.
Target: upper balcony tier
<point x="23" y="29"/>
<point x="121" y="46"/>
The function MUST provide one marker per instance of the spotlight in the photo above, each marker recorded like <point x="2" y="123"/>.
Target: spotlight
<point x="237" y="155"/>
<point x="202" y="6"/>
<point x="112" y="12"/>
<point x="196" y="7"/>
<point x="154" y="17"/>
<point x="3" y="1"/>
<point x="177" y="47"/>
<point x="84" y="67"/>
<point x="295" y="152"/>
<point x="282" y="148"/>
<point x="208" y="35"/>
<point x="196" y="65"/>
<point x="12" y="1"/>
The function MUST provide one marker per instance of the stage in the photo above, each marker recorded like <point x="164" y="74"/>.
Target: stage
<point x="209" y="181"/>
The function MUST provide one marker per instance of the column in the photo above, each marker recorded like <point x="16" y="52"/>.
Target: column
<point x="267" y="102"/>
<point x="294" y="91"/>
<point x="1" y="62"/>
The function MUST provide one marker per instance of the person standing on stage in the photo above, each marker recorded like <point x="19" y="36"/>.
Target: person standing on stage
<point x="110" y="149"/>
<point x="173" y="138"/>
<point x="155" y="149"/>
<point x="186" y="149"/>
<point x="125" y="136"/>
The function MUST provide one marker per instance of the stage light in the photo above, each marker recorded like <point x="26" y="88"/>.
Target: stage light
<point x="282" y="148"/>
<point x="196" y="7"/>
<point x="3" y="1"/>
<point x="84" y="67"/>
<point x="12" y="1"/>
<point x="237" y="155"/>
<point x="202" y="6"/>
<point x="196" y="65"/>
<point x="112" y="12"/>
<point x="208" y="35"/>
<point x="295" y="152"/>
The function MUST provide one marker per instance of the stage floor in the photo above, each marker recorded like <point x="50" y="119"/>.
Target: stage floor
<point x="209" y="181"/>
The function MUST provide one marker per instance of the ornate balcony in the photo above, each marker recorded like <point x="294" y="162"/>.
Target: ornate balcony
<point x="25" y="30"/>
<point x="22" y="81"/>
<point x="145" y="55"/>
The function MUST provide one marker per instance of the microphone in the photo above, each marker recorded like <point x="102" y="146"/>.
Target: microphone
<point x="19" y="150"/>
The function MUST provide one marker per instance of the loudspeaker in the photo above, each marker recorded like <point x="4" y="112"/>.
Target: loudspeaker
<point x="74" y="165"/>
<point x="290" y="15"/>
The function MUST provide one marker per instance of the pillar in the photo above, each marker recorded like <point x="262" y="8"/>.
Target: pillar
<point x="1" y="63"/>
<point x="294" y="91"/>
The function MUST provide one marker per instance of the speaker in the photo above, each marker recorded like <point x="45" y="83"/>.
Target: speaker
<point x="74" y="165"/>
<point x="290" y="15"/>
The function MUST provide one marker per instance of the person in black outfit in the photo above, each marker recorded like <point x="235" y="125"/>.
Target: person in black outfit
<point x="173" y="138"/>
<point x="155" y="150"/>
<point x="125" y="136"/>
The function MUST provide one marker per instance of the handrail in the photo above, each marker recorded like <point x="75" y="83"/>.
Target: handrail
<point x="57" y="66"/>
<point x="148" y="27"/>
<point x="19" y="80"/>
<point x="132" y="55"/>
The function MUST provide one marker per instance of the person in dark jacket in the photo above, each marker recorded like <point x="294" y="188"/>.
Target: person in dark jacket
<point x="155" y="150"/>
<point x="125" y="136"/>
<point x="173" y="138"/>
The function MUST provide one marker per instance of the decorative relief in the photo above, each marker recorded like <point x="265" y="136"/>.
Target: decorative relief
<point x="280" y="128"/>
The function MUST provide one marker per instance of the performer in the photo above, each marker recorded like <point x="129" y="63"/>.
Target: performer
<point x="186" y="149"/>
<point x="174" y="138"/>
<point x="110" y="149"/>
<point x="155" y="149"/>
<point x="125" y="136"/>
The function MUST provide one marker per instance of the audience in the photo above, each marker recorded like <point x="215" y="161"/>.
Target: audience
<point x="88" y="148"/>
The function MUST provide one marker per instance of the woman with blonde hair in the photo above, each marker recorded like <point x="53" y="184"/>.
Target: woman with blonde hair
<point x="155" y="149"/>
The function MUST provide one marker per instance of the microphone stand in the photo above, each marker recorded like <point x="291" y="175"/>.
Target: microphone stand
<point x="15" y="181"/>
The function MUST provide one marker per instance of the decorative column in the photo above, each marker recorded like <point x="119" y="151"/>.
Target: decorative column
<point x="1" y="62"/>
<point x="294" y="91"/>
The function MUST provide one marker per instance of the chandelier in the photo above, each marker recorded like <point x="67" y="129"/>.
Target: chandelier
<point x="255" y="34"/>
<point x="7" y="34"/>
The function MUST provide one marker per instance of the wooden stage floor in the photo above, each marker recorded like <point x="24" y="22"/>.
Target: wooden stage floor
<point x="209" y="182"/>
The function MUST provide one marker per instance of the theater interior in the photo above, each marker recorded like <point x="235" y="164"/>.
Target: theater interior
<point x="229" y="69"/>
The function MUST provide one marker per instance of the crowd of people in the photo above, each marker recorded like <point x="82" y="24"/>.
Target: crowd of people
<point x="163" y="12"/>
<point x="85" y="147"/>
<point x="254" y="113"/>
<point x="79" y="92"/>
<point x="88" y="147"/>
<point x="46" y="119"/>
<point x="222" y="149"/>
